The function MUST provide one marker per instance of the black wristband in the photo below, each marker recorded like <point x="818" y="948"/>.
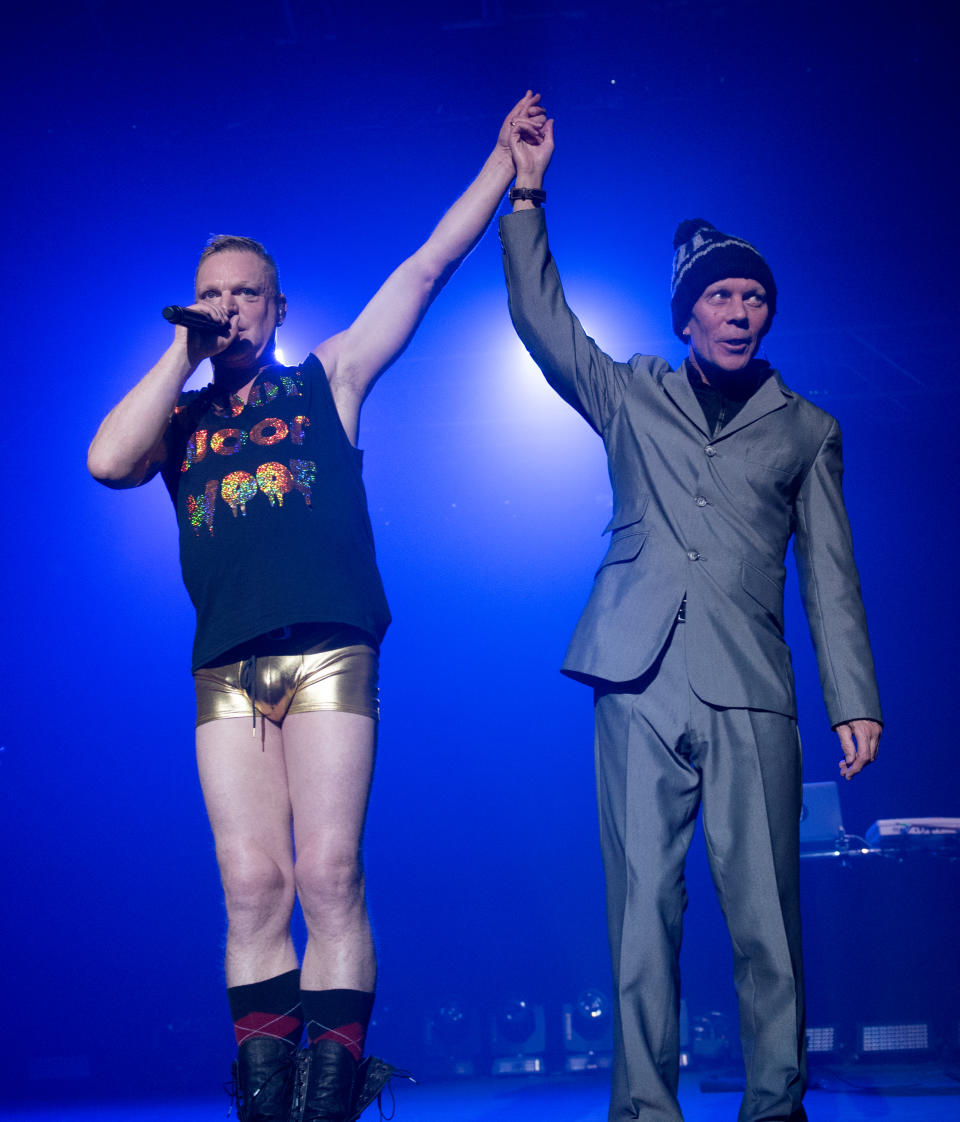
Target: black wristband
<point x="535" y="195"/>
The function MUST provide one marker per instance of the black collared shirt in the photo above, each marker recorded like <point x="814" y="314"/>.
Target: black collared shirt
<point x="723" y="398"/>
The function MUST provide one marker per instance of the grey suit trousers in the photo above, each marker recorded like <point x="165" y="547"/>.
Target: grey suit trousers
<point x="661" y="754"/>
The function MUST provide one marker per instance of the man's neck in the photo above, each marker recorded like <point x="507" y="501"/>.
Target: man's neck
<point x="735" y="384"/>
<point x="239" y="379"/>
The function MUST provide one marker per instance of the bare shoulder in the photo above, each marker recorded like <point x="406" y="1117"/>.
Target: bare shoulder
<point x="346" y="372"/>
<point x="329" y="354"/>
<point x="347" y="399"/>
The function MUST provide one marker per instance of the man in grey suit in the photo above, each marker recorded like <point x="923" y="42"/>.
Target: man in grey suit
<point x="714" y="467"/>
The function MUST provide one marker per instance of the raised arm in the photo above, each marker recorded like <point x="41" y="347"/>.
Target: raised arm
<point x="583" y="374"/>
<point x="355" y="358"/>
<point x="129" y="446"/>
<point x="531" y="161"/>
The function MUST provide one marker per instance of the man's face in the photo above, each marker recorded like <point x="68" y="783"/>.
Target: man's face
<point x="242" y="284"/>
<point x="726" y="323"/>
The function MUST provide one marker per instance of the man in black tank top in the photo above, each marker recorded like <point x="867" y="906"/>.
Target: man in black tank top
<point x="264" y="471"/>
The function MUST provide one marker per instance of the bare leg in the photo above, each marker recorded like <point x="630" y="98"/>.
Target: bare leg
<point x="245" y="788"/>
<point x="329" y="766"/>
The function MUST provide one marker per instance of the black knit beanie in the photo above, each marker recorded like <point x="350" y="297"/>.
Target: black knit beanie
<point x="704" y="255"/>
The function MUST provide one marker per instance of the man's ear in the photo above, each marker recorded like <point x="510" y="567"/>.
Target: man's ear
<point x="281" y="308"/>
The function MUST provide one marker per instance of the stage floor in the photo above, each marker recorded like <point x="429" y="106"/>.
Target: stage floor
<point x="862" y="1094"/>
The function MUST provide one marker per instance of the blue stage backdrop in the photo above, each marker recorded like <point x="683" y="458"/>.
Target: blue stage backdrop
<point x="337" y="134"/>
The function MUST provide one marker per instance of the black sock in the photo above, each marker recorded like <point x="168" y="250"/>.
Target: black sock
<point x="268" y="1008"/>
<point x="341" y="1015"/>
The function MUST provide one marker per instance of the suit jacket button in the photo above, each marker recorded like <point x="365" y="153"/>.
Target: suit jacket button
<point x="693" y="555"/>
<point x="700" y="500"/>
<point x="710" y="450"/>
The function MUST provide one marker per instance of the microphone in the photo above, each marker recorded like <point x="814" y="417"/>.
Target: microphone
<point x="196" y="321"/>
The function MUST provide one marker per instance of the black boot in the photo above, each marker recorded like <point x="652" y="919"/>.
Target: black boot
<point x="373" y="1078"/>
<point x="263" y="1075"/>
<point x="331" y="1081"/>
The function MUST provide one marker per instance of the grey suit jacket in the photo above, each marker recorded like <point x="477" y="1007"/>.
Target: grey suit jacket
<point x="701" y="516"/>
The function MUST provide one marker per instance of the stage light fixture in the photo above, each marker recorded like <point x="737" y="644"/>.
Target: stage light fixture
<point x="452" y="1039"/>
<point x="588" y="1031"/>
<point x="711" y="1037"/>
<point x="518" y="1037"/>
<point x="823" y="1040"/>
<point x="873" y="1040"/>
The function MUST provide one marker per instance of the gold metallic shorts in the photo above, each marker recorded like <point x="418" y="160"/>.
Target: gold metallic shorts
<point x="299" y="670"/>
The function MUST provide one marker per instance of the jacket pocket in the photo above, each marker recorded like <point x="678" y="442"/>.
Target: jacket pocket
<point x="785" y="464"/>
<point x="628" y="515"/>
<point x="625" y="545"/>
<point x="767" y="593"/>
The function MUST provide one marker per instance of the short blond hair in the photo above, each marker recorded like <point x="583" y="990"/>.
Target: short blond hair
<point x="224" y="243"/>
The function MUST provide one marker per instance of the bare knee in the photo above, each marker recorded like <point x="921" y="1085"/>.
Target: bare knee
<point x="258" y="889"/>
<point x="329" y="883"/>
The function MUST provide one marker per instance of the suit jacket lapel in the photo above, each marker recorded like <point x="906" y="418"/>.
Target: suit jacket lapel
<point x="678" y="389"/>
<point x="772" y="395"/>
